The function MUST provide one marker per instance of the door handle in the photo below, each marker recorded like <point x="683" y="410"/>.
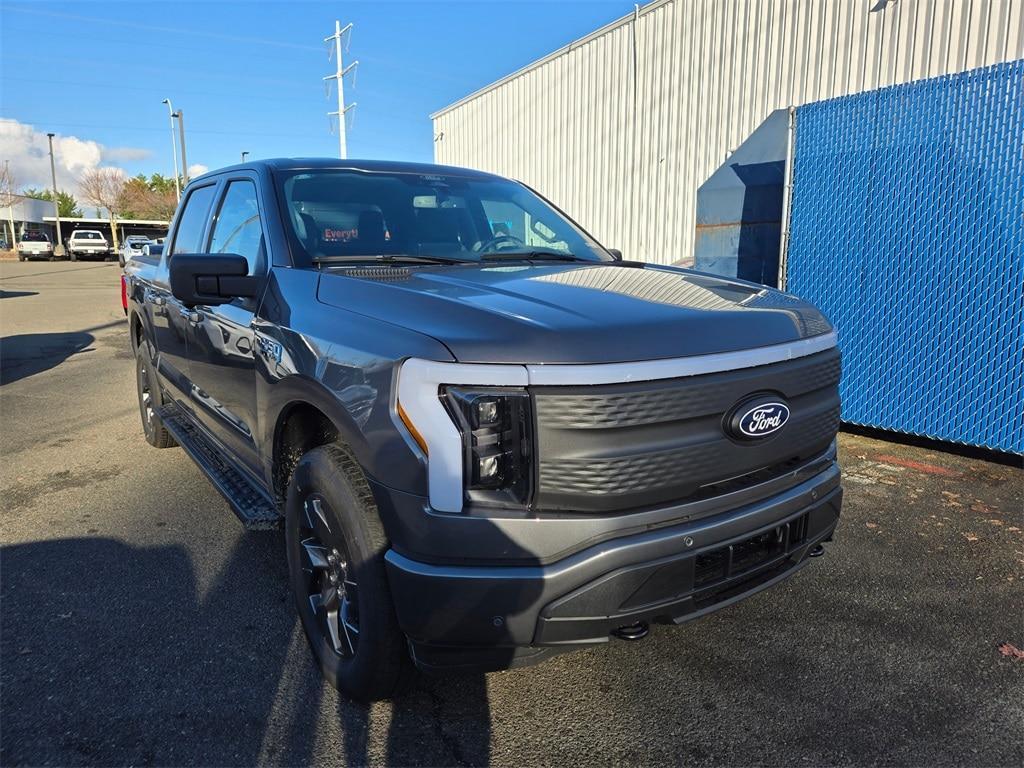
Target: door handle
<point x="193" y="316"/>
<point x="158" y="301"/>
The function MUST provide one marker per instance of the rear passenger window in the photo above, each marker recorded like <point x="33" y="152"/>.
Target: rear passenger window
<point x="237" y="228"/>
<point x="189" y="234"/>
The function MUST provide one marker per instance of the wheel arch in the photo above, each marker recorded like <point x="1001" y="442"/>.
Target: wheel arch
<point x="136" y="329"/>
<point x="306" y="416"/>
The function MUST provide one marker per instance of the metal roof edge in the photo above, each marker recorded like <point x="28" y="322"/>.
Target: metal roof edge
<point x="622" y="21"/>
<point x="119" y="222"/>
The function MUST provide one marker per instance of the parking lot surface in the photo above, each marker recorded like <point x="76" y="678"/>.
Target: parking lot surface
<point x="140" y="625"/>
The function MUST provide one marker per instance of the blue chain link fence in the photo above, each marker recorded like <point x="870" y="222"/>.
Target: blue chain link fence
<point x="907" y="229"/>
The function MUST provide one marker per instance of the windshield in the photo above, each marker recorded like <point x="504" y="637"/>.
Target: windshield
<point x="86" y="234"/>
<point x="350" y="214"/>
<point x="34" y="237"/>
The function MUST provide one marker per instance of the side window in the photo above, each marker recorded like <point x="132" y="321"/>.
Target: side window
<point x="189" y="233"/>
<point x="237" y="228"/>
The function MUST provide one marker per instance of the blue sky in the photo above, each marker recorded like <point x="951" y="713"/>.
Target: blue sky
<point x="248" y="74"/>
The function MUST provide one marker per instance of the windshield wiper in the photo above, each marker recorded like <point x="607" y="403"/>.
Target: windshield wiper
<point x="546" y="255"/>
<point x="385" y="258"/>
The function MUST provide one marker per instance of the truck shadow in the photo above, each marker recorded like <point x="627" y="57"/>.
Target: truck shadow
<point x="114" y="654"/>
<point x="27" y="354"/>
<point x="31" y="353"/>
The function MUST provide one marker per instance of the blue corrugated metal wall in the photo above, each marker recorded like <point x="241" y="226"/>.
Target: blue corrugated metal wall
<point x="907" y="229"/>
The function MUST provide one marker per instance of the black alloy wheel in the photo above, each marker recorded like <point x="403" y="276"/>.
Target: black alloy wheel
<point x="329" y="576"/>
<point x="336" y="544"/>
<point x="149" y="400"/>
<point x="146" y="405"/>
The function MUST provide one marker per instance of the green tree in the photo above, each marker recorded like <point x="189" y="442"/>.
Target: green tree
<point x="148" y="198"/>
<point x="67" y="206"/>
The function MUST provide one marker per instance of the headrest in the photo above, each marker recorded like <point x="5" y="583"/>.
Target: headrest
<point x="437" y="225"/>
<point x="371" y="227"/>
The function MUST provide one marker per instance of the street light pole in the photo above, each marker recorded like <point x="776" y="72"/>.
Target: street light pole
<point x="181" y="131"/>
<point x="174" y="151"/>
<point x="244" y="155"/>
<point x="8" y="193"/>
<point x="58" y="248"/>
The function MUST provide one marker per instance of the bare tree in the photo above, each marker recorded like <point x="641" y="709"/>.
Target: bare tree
<point x="104" y="188"/>
<point x="8" y="197"/>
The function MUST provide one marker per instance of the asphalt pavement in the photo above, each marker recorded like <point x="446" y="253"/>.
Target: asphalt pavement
<point x="140" y="625"/>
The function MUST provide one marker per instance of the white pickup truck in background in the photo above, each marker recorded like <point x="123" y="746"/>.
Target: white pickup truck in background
<point x="87" y="242"/>
<point x="34" y="245"/>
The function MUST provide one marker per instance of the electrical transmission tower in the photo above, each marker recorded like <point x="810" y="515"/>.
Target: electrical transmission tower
<point x="339" y="75"/>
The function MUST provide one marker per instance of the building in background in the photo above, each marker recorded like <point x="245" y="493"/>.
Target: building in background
<point x="31" y="215"/>
<point x="623" y="127"/>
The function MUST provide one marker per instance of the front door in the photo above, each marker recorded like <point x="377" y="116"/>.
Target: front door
<point x="220" y="349"/>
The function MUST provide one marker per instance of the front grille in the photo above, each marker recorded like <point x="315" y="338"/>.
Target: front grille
<point x="627" y="446"/>
<point x="744" y="557"/>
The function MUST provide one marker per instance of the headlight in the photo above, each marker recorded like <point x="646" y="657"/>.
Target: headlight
<point x="496" y="426"/>
<point x="475" y="436"/>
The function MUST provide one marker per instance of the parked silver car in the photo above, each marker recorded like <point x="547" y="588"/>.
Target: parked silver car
<point x="131" y="248"/>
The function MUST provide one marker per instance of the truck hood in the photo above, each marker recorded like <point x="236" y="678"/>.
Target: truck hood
<point x="572" y="313"/>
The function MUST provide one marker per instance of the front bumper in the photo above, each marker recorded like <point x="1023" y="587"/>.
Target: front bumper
<point x="488" y="617"/>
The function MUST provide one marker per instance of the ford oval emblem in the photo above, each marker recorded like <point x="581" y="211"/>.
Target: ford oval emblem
<point x="760" y="418"/>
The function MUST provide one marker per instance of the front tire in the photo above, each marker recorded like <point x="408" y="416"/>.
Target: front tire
<point x="150" y="399"/>
<point x="336" y="545"/>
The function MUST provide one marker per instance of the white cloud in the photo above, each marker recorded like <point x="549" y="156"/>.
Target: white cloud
<point x="125" y="154"/>
<point x="196" y="169"/>
<point x="29" y="154"/>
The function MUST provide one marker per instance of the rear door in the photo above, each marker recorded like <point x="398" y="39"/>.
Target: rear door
<point x="168" y="319"/>
<point x="221" y="361"/>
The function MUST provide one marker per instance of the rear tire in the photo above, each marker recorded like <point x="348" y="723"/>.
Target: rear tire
<point x="72" y="256"/>
<point x="150" y="399"/>
<point x="21" y="257"/>
<point x="336" y="545"/>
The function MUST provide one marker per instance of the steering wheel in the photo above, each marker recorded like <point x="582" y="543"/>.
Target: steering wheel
<point x="495" y="243"/>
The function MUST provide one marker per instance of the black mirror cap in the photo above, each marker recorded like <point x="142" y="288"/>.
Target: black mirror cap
<point x="210" y="279"/>
<point x="616" y="253"/>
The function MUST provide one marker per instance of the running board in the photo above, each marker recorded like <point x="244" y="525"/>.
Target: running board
<point x="254" y="508"/>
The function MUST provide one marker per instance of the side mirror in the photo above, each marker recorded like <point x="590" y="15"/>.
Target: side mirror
<point x="616" y="253"/>
<point x="210" y="278"/>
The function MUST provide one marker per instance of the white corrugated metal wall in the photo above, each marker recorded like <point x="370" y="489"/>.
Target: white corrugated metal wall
<point x="627" y="163"/>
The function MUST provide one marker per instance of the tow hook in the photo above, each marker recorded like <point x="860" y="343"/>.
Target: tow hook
<point x="817" y="550"/>
<point x="636" y="631"/>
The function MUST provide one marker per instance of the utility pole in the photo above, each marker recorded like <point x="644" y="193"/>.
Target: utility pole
<point x="174" y="151"/>
<point x="8" y="194"/>
<point x="181" y="130"/>
<point x="58" y="247"/>
<point x="338" y="77"/>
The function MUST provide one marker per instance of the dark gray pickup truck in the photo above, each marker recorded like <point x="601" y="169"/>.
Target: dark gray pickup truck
<point x="488" y="439"/>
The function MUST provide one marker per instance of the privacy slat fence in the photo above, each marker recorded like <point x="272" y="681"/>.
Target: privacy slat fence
<point x="907" y="229"/>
